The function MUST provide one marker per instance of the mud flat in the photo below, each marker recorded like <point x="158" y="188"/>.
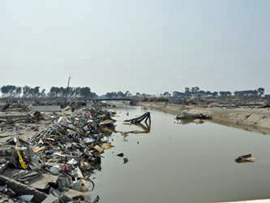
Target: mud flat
<point x="247" y="118"/>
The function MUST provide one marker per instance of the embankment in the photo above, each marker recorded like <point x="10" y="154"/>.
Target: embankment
<point x="251" y="119"/>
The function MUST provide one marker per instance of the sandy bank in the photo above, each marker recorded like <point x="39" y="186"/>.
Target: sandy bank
<point x="250" y="119"/>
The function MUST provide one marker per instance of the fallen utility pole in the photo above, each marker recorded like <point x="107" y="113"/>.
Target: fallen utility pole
<point x="66" y="99"/>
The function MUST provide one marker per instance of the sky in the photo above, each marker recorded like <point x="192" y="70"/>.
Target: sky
<point x="147" y="46"/>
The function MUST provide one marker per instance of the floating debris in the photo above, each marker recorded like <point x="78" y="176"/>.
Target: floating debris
<point x="245" y="158"/>
<point x="125" y="160"/>
<point x="120" y="155"/>
<point x="188" y="116"/>
<point x="145" y="117"/>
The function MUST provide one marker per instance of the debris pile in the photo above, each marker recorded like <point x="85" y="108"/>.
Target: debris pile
<point x="192" y="118"/>
<point x="56" y="164"/>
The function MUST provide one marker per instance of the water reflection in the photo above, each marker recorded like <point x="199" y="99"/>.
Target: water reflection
<point x="189" y="121"/>
<point x="187" y="163"/>
<point x="145" y="129"/>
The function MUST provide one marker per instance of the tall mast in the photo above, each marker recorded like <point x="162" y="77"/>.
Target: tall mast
<point x="68" y="88"/>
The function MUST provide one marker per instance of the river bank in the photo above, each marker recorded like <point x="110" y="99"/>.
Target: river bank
<point x="173" y="162"/>
<point x="251" y="119"/>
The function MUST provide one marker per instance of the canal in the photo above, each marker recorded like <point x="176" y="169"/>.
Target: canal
<point x="182" y="163"/>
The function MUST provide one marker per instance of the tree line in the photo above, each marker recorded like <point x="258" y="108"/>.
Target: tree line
<point x="118" y="94"/>
<point x="33" y="92"/>
<point x="196" y="92"/>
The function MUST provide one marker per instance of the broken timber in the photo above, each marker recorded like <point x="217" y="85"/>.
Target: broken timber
<point x="23" y="189"/>
<point x="144" y="117"/>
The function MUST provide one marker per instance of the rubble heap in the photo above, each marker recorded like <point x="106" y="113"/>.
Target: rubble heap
<point x="56" y="164"/>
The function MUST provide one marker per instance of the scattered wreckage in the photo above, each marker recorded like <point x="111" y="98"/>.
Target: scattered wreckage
<point x="146" y="126"/>
<point x="245" y="159"/>
<point x="56" y="164"/>
<point x="186" y="118"/>
<point x="145" y="117"/>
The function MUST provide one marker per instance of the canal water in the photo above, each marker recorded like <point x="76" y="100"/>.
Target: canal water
<point x="182" y="163"/>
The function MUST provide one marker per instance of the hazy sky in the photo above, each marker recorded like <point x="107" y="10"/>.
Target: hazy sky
<point x="138" y="45"/>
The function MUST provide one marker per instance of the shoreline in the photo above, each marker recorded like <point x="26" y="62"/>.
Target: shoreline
<point x="249" y="119"/>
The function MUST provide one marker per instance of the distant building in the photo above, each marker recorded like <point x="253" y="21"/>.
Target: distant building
<point x="178" y="94"/>
<point x="247" y="93"/>
<point x="225" y="93"/>
<point x="166" y="94"/>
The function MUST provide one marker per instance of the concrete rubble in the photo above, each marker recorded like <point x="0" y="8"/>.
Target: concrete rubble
<point x="50" y="157"/>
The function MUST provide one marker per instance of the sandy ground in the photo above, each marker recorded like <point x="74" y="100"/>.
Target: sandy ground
<point x="253" y="201"/>
<point x="251" y="119"/>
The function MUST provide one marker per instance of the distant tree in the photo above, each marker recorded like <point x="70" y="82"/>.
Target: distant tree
<point x="215" y="94"/>
<point x="202" y="92"/>
<point x="93" y="95"/>
<point x="5" y="90"/>
<point x="247" y="93"/>
<point x="78" y="91"/>
<point x="18" y="91"/>
<point x="120" y="94"/>
<point x="43" y="93"/>
<point x="225" y="93"/>
<point x="127" y="94"/>
<point x="261" y="91"/>
<point x="195" y="92"/>
<point x="68" y="91"/>
<point x="53" y="92"/>
<point x="32" y="92"/>
<point x="62" y="92"/>
<point x="9" y="90"/>
<point x="26" y="91"/>
<point x="109" y="95"/>
<point x="208" y="94"/>
<point x="36" y="92"/>
<point x="195" y="89"/>
<point x="187" y="91"/>
<point x="85" y="92"/>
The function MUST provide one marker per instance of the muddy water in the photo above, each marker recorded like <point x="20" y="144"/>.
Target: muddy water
<point x="182" y="163"/>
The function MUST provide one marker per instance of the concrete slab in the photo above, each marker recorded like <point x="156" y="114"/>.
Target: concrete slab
<point x="46" y="108"/>
<point x="41" y="182"/>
